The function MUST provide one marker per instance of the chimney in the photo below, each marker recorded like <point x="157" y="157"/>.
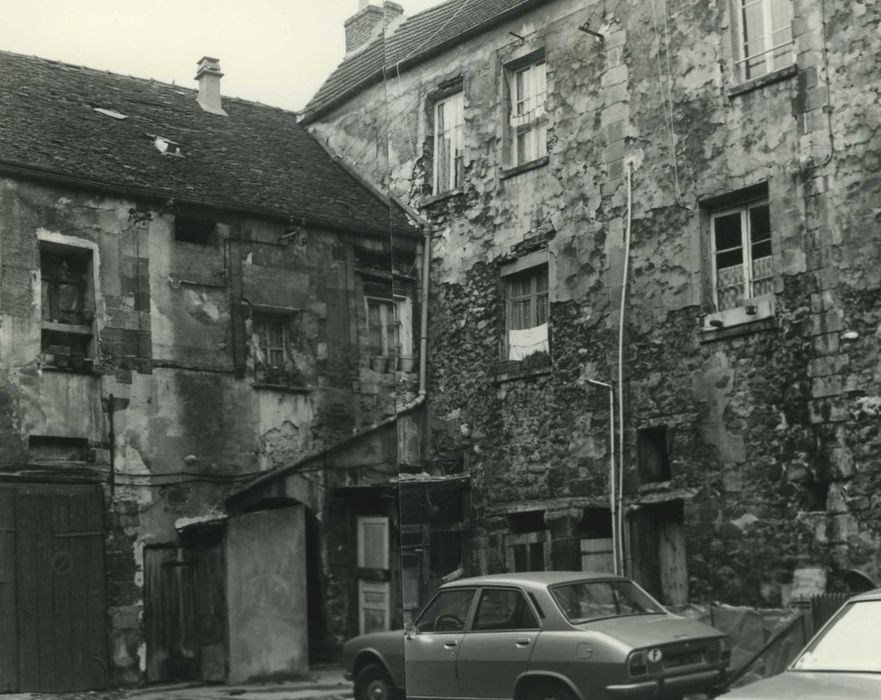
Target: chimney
<point x="209" y="76"/>
<point x="368" y="22"/>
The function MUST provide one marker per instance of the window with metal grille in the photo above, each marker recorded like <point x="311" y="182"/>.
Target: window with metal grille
<point x="449" y="126"/>
<point x="271" y="340"/>
<point x="527" y="312"/>
<point x="527" y="118"/>
<point x="742" y="263"/>
<point x="765" y="36"/>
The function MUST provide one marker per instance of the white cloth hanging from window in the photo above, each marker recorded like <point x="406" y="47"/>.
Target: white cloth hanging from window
<point x="524" y="342"/>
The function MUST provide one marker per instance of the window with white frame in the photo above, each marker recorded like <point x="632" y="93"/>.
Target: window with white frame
<point x="389" y="326"/>
<point x="741" y="252"/>
<point x="765" y="36"/>
<point x="271" y="337"/>
<point x="449" y="127"/>
<point x="527" y="301"/>
<point x="528" y="121"/>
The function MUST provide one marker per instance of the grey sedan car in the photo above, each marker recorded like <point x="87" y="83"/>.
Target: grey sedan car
<point x="561" y="635"/>
<point x="842" y="662"/>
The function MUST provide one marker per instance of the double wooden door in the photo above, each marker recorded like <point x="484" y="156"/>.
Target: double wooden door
<point x="52" y="608"/>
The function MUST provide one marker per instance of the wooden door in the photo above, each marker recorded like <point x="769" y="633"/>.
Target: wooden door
<point x="60" y="627"/>
<point x="8" y="626"/>
<point x="373" y="558"/>
<point x="597" y="555"/>
<point x="168" y="614"/>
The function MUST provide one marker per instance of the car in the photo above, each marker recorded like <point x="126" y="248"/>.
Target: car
<point x="841" y="662"/>
<point x="540" y="636"/>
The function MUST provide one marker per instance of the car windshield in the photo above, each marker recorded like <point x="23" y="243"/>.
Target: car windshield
<point x="850" y="643"/>
<point x="593" y="600"/>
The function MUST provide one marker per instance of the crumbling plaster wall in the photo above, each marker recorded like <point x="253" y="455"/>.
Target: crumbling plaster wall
<point x="188" y="424"/>
<point x="755" y="415"/>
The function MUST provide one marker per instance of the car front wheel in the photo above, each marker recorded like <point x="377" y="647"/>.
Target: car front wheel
<point x="373" y="683"/>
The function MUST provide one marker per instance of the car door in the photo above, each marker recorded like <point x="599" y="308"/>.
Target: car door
<point x="497" y="647"/>
<point x="431" y="646"/>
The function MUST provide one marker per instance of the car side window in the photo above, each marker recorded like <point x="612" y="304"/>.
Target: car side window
<point x="504" y="609"/>
<point x="447" y="612"/>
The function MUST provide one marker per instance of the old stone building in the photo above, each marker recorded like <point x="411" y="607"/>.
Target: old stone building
<point x="717" y="164"/>
<point x="193" y="294"/>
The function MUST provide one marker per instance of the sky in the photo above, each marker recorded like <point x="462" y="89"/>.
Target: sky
<point x="274" y="51"/>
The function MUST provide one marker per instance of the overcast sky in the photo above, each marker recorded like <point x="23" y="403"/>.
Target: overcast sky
<point x="275" y="51"/>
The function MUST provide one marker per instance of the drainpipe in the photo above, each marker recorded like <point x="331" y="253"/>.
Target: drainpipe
<point x="619" y="509"/>
<point x="612" y="503"/>
<point x="423" y="311"/>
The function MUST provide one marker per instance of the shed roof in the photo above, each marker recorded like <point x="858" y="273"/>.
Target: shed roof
<point x="66" y="121"/>
<point x="412" y="40"/>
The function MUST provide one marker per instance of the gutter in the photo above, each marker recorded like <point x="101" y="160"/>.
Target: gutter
<point x="53" y="177"/>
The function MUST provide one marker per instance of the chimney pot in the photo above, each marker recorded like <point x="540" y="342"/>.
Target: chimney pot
<point x="209" y="75"/>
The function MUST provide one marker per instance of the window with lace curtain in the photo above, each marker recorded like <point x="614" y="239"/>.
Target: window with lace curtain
<point x="527" y="119"/>
<point x="271" y="337"/>
<point x="741" y="255"/>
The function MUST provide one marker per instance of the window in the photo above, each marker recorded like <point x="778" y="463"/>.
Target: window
<point x="742" y="266"/>
<point x="67" y="305"/>
<point x="653" y="454"/>
<point x="449" y="124"/>
<point x="503" y="609"/>
<point x="447" y="612"/>
<point x="193" y="230"/>
<point x="528" y="545"/>
<point x="527" y="312"/>
<point x="389" y="326"/>
<point x="527" y="118"/>
<point x="765" y="36"/>
<point x="272" y="341"/>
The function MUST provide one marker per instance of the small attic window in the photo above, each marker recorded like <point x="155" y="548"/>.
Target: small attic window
<point x="167" y="147"/>
<point x="110" y="113"/>
<point x="191" y="230"/>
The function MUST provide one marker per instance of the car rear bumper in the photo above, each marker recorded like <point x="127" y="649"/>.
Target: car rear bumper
<point x="661" y="687"/>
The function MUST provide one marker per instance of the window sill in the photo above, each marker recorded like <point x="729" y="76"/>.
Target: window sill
<point x="511" y="373"/>
<point x="767" y="79"/>
<point x="88" y="368"/>
<point x="265" y="386"/>
<point x="524" y="167"/>
<point x="441" y="197"/>
<point x="741" y="320"/>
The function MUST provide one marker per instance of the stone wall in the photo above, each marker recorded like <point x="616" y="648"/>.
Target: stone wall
<point x="772" y="421"/>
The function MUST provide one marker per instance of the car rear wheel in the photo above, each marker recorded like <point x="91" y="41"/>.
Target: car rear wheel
<point x="547" y="690"/>
<point x="373" y="683"/>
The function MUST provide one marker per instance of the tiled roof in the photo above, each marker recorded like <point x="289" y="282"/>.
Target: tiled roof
<point x="413" y="39"/>
<point x="258" y="158"/>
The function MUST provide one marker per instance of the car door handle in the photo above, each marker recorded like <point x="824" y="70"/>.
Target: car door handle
<point x="523" y="642"/>
<point x="449" y="645"/>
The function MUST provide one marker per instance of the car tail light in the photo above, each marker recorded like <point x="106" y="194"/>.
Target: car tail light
<point x="725" y="650"/>
<point x="636" y="664"/>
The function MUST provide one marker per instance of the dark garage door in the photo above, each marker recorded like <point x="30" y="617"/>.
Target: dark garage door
<point x="52" y="613"/>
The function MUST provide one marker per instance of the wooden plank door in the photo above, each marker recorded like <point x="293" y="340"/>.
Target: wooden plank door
<point x="59" y="552"/>
<point x="597" y="555"/>
<point x="169" y="627"/>
<point x="8" y="626"/>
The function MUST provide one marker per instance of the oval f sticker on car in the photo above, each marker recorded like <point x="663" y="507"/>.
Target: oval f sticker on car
<point x="655" y="655"/>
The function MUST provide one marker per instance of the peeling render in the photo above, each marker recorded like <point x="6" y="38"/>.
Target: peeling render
<point x="172" y="406"/>
<point x="775" y="445"/>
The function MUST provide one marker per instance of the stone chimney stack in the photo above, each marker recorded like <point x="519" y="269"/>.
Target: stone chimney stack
<point x="368" y="22"/>
<point x="209" y="76"/>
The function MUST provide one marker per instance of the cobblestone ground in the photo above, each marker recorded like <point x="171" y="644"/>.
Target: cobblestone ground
<point x="326" y="683"/>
